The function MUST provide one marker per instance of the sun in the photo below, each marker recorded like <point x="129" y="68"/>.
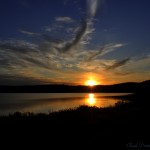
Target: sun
<point x="91" y="82"/>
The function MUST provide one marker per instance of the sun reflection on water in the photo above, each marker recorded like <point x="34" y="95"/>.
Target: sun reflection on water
<point x="91" y="99"/>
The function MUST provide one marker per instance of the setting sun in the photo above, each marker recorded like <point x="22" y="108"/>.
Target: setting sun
<point x="91" y="82"/>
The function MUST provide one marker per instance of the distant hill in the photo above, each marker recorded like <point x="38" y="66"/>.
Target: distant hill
<point x="128" y="87"/>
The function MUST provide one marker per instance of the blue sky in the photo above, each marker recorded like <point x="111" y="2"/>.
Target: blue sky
<point x="71" y="41"/>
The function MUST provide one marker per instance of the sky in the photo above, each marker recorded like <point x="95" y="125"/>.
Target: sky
<point x="72" y="41"/>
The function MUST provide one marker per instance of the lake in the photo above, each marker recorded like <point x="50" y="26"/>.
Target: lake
<point x="50" y="102"/>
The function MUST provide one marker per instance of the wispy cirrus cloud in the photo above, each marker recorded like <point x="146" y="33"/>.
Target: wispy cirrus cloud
<point x="92" y="6"/>
<point x="16" y="57"/>
<point x="66" y="57"/>
<point x="118" y="64"/>
<point x="42" y="55"/>
<point x="29" y="33"/>
<point x="64" y="19"/>
<point x="103" y="50"/>
<point x="53" y="56"/>
<point x="56" y="55"/>
<point x="71" y="45"/>
<point x="138" y="65"/>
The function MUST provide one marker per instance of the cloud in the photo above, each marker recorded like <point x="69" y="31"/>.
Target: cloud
<point x="24" y="79"/>
<point x="81" y="36"/>
<point x="54" y="57"/>
<point x="139" y="65"/>
<point x="17" y="45"/>
<point x="17" y="58"/>
<point x="19" y="80"/>
<point x="141" y="57"/>
<point x="65" y="57"/>
<point x="45" y="56"/>
<point x="21" y="53"/>
<point x="118" y="64"/>
<point x="70" y="46"/>
<point x="103" y="50"/>
<point x="29" y="33"/>
<point x="92" y="7"/>
<point x="79" y="39"/>
<point x="80" y="33"/>
<point x="64" y="19"/>
<point x="122" y="73"/>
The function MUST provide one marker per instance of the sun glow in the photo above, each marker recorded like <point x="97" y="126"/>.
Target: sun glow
<point x="91" y="82"/>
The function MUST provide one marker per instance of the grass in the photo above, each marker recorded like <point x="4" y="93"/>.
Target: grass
<point x="83" y="127"/>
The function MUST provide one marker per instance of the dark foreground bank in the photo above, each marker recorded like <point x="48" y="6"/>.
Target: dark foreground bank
<point x="125" y="126"/>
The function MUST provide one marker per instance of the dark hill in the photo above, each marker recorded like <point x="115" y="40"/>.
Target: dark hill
<point x="128" y="87"/>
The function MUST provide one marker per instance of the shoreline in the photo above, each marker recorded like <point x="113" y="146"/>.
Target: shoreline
<point x="112" y="127"/>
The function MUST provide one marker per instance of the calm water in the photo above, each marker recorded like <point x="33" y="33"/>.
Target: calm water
<point x="48" y="102"/>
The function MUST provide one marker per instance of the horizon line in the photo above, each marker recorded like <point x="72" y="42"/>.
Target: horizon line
<point x="69" y="84"/>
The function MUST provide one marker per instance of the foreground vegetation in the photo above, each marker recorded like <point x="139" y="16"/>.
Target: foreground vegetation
<point x="123" y="126"/>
